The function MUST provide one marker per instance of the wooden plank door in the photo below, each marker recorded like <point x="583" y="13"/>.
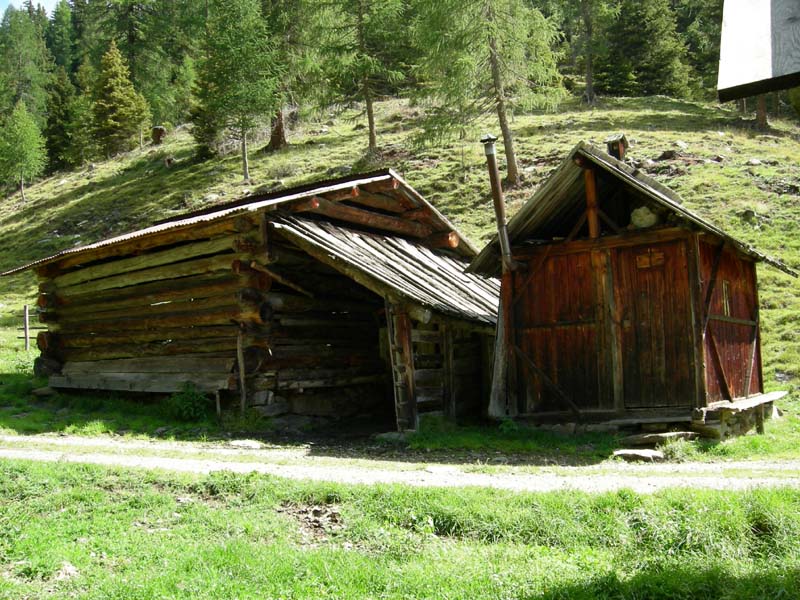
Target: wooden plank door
<point x="652" y="298"/>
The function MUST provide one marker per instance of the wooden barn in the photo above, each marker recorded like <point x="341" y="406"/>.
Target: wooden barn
<point x="621" y="305"/>
<point x="339" y="298"/>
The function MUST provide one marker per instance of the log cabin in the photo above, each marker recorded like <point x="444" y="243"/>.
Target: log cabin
<point x="620" y="305"/>
<point x="338" y="298"/>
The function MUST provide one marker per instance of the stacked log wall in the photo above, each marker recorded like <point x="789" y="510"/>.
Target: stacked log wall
<point x="153" y="313"/>
<point x="323" y="342"/>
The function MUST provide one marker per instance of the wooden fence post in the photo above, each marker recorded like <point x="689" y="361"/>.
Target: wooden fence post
<point x="26" y="327"/>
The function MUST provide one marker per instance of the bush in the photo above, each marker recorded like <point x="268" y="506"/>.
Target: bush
<point x="189" y="404"/>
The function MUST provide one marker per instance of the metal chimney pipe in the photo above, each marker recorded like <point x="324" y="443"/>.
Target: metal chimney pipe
<point x="488" y="142"/>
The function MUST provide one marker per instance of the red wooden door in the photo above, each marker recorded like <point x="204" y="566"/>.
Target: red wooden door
<point x="652" y="299"/>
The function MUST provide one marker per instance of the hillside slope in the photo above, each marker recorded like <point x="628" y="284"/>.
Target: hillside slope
<point x="744" y="181"/>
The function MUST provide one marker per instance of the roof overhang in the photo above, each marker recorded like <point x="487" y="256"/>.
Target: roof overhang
<point x="759" y="51"/>
<point x="390" y="181"/>
<point x="563" y="192"/>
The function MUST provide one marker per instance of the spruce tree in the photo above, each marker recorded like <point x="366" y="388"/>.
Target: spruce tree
<point x="60" y="36"/>
<point x="22" y="149"/>
<point x="485" y="56"/>
<point x="355" y="44"/>
<point x="25" y="63"/>
<point x="645" y="55"/>
<point x="120" y="111"/>
<point x="238" y="75"/>
<point x="59" y="115"/>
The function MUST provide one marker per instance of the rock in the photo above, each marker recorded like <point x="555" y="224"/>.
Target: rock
<point x="169" y="161"/>
<point x="749" y="215"/>
<point x="643" y="217"/>
<point x="292" y="423"/>
<point x="639" y="455"/>
<point x="272" y="410"/>
<point x="681" y="144"/>
<point x="600" y="428"/>
<point x="718" y="158"/>
<point x="161" y="431"/>
<point x="563" y="428"/>
<point x="667" y="155"/>
<point x="44" y="391"/>
<point x="395" y="437"/>
<point x="157" y="134"/>
<point x="246" y="444"/>
<point x="67" y="571"/>
<point x="753" y="162"/>
<point x="44" y="367"/>
<point x="210" y="197"/>
<point x="340" y="170"/>
<point x="657" y="439"/>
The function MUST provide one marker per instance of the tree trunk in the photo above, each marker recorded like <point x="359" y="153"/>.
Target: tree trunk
<point x="761" y="112"/>
<point x="245" y="163"/>
<point x="277" y="138"/>
<point x="512" y="175"/>
<point x="588" y="95"/>
<point x="373" y="136"/>
<point x="22" y="187"/>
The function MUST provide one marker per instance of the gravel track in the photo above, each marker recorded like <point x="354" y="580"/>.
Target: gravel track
<point x="642" y="478"/>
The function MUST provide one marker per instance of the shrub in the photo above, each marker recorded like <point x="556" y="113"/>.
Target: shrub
<point x="188" y="404"/>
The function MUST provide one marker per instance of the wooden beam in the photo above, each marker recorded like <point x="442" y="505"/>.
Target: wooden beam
<point x="591" y="203"/>
<point x="535" y="370"/>
<point x="369" y="219"/>
<point x="609" y="221"/>
<point x="718" y="368"/>
<point x="185" y="233"/>
<point x="711" y="283"/>
<point x="695" y="293"/>
<point x="280" y="279"/>
<point x="346" y="194"/>
<point x="576" y="228"/>
<point x="380" y="202"/>
<point x="447" y="239"/>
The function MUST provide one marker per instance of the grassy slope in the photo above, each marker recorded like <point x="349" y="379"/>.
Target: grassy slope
<point x="135" y="190"/>
<point x="71" y="531"/>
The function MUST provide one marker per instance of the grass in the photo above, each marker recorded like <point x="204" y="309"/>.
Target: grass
<point x="71" y="531"/>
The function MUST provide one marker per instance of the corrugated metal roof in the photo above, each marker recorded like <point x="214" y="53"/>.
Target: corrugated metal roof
<point x="562" y="198"/>
<point x="265" y="201"/>
<point x="408" y="270"/>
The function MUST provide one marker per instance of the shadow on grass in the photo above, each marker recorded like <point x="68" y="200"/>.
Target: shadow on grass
<point x="660" y="581"/>
<point x="441" y="442"/>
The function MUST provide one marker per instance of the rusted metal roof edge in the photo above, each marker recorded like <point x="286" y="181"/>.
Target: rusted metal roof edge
<point x="285" y="226"/>
<point x="308" y="190"/>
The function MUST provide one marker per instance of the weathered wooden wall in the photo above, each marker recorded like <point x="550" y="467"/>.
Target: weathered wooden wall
<point x="323" y="341"/>
<point x="605" y="326"/>
<point x="732" y="341"/>
<point x="152" y="313"/>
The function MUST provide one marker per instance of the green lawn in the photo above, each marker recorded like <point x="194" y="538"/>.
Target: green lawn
<point x="84" y="532"/>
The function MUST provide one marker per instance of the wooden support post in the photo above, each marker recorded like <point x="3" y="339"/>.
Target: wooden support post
<point x="506" y="301"/>
<point x="592" y="215"/>
<point x="242" y="371"/>
<point x="398" y="325"/>
<point x="26" y="326"/>
<point x="218" y="404"/>
<point x="760" y="419"/>
<point x="448" y="365"/>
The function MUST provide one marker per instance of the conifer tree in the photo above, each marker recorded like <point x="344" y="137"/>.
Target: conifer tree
<point x="60" y="36"/>
<point x="22" y="149"/>
<point x="59" y="115"/>
<point x="25" y="63"/>
<point x="355" y="45"/>
<point x="485" y="56"/>
<point x="120" y="112"/>
<point x="645" y="55"/>
<point x="238" y="74"/>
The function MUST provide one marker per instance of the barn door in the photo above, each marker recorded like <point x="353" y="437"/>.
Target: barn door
<point x="652" y="299"/>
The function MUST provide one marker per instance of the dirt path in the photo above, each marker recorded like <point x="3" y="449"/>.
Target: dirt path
<point x="296" y="463"/>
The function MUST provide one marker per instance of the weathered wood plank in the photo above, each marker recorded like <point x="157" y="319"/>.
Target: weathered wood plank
<point x="370" y="219"/>
<point x="168" y="348"/>
<point x="192" y="232"/>
<point x="144" y="261"/>
<point x="142" y="382"/>
<point x="220" y="263"/>
<point x="187" y="363"/>
<point x="56" y="340"/>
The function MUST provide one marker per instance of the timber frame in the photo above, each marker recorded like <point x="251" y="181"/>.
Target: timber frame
<point x="624" y="306"/>
<point x="339" y="298"/>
